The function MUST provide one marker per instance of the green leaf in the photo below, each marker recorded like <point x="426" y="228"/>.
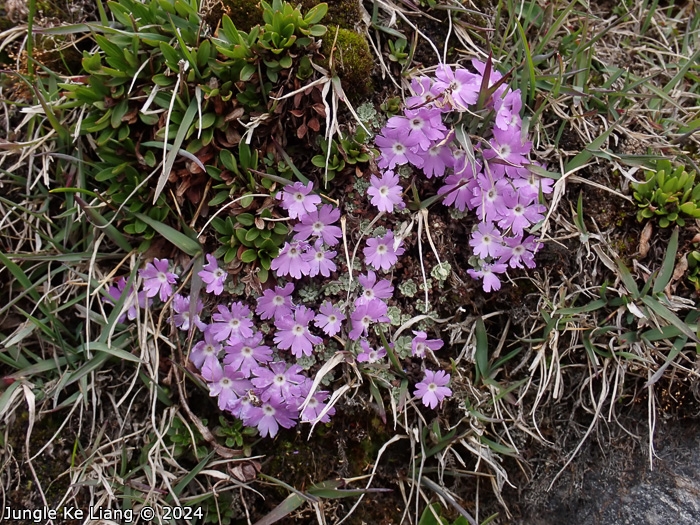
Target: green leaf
<point x="179" y="239"/>
<point x="669" y="316"/>
<point x="249" y="256"/>
<point x="668" y="265"/>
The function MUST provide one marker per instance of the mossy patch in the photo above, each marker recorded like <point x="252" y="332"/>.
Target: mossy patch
<point x="351" y="60"/>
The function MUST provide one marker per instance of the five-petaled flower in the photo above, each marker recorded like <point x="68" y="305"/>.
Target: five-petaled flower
<point x="157" y="280"/>
<point x="433" y="390"/>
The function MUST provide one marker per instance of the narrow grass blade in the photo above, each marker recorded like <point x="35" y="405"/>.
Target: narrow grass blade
<point x="668" y="265"/>
<point x="179" y="239"/>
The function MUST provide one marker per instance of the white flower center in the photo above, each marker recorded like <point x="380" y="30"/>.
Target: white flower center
<point x="269" y="411"/>
<point x="299" y="197"/>
<point x="319" y="256"/>
<point x="332" y="318"/>
<point x="162" y="277"/>
<point x="519" y="250"/>
<point x="518" y="210"/>
<point x="279" y="379"/>
<point x="234" y="323"/>
<point x="504" y="150"/>
<point x="246" y="350"/>
<point x="318" y="226"/>
<point x="278" y="300"/>
<point x="219" y="273"/>
<point x="293" y="252"/>
<point x="383" y="191"/>
<point x="432" y="387"/>
<point x="486" y="239"/>
<point x="398" y="148"/>
<point x="225" y="382"/>
<point x="381" y="249"/>
<point x="298" y="329"/>
<point x="417" y="123"/>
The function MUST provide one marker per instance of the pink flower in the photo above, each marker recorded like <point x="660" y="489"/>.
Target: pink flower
<point x="269" y="417"/>
<point x="247" y="354"/>
<point x="423" y="123"/>
<point x="369" y="355"/>
<point x="204" y="349"/>
<point x="373" y="289"/>
<point x="520" y="214"/>
<point x="366" y="314"/>
<point x="181" y="305"/>
<point x="433" y="390"/>
<point x="278" y="382"/>
<point x="232" y="323"/>
<point x="293" y="332"/>
<point x="421" y="343"/>
<point x="277" y="303"/>
<point x="381" y="253"/>
<point x="132" y="302"/>
<point x="157" y="280"/>
<point x="488" y="274"/>
<point x="226" y="382"/>
<point x="436" y="160"/>
<point x="395" y="146"/>
<point x="518" y="251"/>
<point x="213" y="276"/>
<point x="486" y="240"/>
<point x="320" y="224"/>
<point x="386" y="192"/>
<point x="298" y="200"/>
<point x="290" y="261"/>
<point x="315" y="406"/>
<point x="319" y="260"/>
<point x="329" y="319"/>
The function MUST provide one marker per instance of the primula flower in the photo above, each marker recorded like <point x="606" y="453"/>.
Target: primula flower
<point x="247" y="354"/>
<point x="320" y="261"/>
<point x="157" y="280"/>
<point x="518" y="251"/>
<point x="488" y="274"/>
<point x="224" y="382"/>
<point x="269" y="417"/>
<point x="486" y="240"/>
<point x="132" y="303"/>
<point x="386" y="192"/>
<point x="369" y="355"/>
<point x="423" y="123"/>
<point x="433" y="390"/>
<point x="298" y="200"/>
<point x="329" y="318"/>
<point x="181" y="305"/>
<point x="508" y="111"/>
<point x="243" y="408"/>
<point x="490" y="197"/>
<point x="380" y="251"/>
<point x="232" y="323"/>
<point x="461" y="87"/>
<point x="278" y="382"/>
<point x="396" y="148"/>
<point x="213" y="276"/>
<point x="436" y="160"/>
<point x="290" y="261"/>
<point x="507" y="146"/>
<point x="293" y="332"/>
<point x="520" y="214"/>
<point x="366" y="314"/>
<point x="530" y="185"/>
<point x="373" y="289"/>
<point x="204" y="349"/>
<point x="319" y="223"/>
<point x="277" y="303"/>
<point x="459" y="187"/>
<point x="315" y="407"/>
<point x="421" y="343"/>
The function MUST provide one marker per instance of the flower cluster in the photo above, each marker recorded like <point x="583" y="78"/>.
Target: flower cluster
<point x="495" y="182"/>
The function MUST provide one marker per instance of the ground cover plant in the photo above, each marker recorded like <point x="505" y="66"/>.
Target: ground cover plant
<point x="345" y="262"/>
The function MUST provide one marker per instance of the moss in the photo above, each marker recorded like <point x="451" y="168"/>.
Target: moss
<point x="342" y="13"/>
<point x="352" y="60"/>
<point x="244" y="14"/>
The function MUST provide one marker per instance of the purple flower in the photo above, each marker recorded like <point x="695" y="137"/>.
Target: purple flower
<point x="529" y="184"/>
<point x="298" y="200"/>
<point x="320" y="224"/>
<point x="247" y="354"/>
<point x="243" y="408"/>
<point x="424" y="123"/>
<point x="490" y="197"/>
<point x="181" y="305"/>
<point x="369" y="355"/>
<point x="290" y="261"/>
<point x="320" y="261"/>
<point x="520" y="214"/>
<point x="275" y="304"/>
<point x="508" y="149"/>
<point x="373" y="289"/>
<point x="366" y="314"/>
<point x="395" y="146"/>
<point x="269" y="417"/>
<point x="157" y="280"/>
<point x="293" y="332"/>
<point x="518" y="251"/>
<point x="460" y="87"/>
<point x="213" y="276"/>
<point x="204" y="349"/>
<point x="421" y="343"/>
<point x="386" y="192"/>
<point x="486" y="240"/>
<point x="423" y="93"/>
<point x="232" y="323"/>
<point x="132" y="303"/>
<point x="226" y="382"/>
<point x="508" y="110"/>
<point x="329" y="319"/>
<point x="488" y="274"/>
<point x="315" y="406"/>
<point x="278" y="382"/>
<point x="381" y="253"/>
<point x="436" y="160"/>
<point x="432" y="389"/>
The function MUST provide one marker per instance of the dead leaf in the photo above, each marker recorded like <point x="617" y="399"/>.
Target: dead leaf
<point x="644" y="240"/>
